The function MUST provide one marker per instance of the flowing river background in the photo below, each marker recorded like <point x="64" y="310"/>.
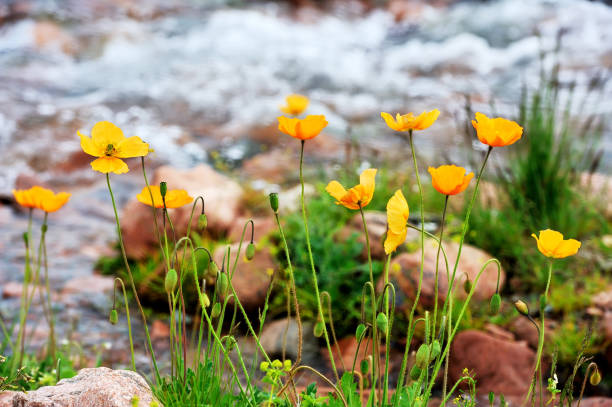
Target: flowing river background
<point x="191" y="77"/>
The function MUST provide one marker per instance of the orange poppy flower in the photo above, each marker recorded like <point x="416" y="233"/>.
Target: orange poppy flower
<point x="303" y="129"/>
<point x="296" y="104"/>
<point x="551" y="244"/>
<point x="41" y="198"/>
<point x="410" y="121"/>
<point x="109" y="144"/>
<point x="450" y="179"/>
<point x="497" y="132"/>
<point x="175" y="198"/>
<point x="397" y="217"/>
<point x="357" y="197"/>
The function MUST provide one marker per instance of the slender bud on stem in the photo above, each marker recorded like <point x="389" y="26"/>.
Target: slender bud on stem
<point x="595" y="377"/>
<point x="382" y="322"/>
<point x="274" y="201"/>
<point x="495" y="304"/>
<point x="250" y="251"/>
<point x="113" y="318"/>
<point x="202" y="221"/>
<point x="521" y="307"/>
<point x="171" y="280"/>
<point x="361" y="328"/>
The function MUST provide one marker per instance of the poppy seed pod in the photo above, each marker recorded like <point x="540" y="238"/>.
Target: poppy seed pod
<point x="44" y="228"/>
<point x="163" y="188"/>
<point x="274" y="201"/>
<point x="542" y="301"/>
<point x="250" y="251"/>
<point x="26" y="238"/>
<point x="521" y="307"/>
<point x="495" y="304"/>
<point x="202" y="221"/>
<point x="113" y="317"/>
<point x="170" y="282"/>
<point x="491" y="397"/>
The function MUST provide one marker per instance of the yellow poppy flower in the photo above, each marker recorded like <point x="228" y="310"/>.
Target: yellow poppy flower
<point x="497" y="132"/>
<point x="552" y="244"/>
<point x="296" y="104"/>
<point x="175" y="198"/>
<point x="41" y="198"/>
<point x="303" y="129"/>
<point x="410" y="121"/>
<point x="397" y="217"/>
<point x="450" y="179"/>
<point x="109" y="144"/>
<point x="357" y="197"/>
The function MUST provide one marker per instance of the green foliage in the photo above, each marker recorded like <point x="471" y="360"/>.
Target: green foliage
<point x="204" y="387"/>
<point x="33" y="373"/>
<point x="340" y="268"/>
<point x="541" y="188"/>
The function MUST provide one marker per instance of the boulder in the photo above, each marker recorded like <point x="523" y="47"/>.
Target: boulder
<point x="99" y="387"/>
<point x="222" y="196"/>
<point x="251" y="278"/>
<point x="405" y="269"/>
<point x="499" y="365"/>
<point x="595" y="402"/>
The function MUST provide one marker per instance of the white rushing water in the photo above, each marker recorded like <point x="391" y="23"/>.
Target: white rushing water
<point x="165" y="78"/>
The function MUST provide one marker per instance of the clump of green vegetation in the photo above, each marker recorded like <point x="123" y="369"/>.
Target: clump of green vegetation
<point x="34" y="372"/>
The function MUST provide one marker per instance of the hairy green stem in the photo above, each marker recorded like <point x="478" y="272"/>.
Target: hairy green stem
<point x="129" y="271"/>
<point x="312" y="266"/>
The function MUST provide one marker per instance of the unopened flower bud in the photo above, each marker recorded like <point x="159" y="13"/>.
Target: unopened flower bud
<point x="202" y="221"/>
<point x="163" y="188"/>
<point x="170" y="282"/>
<point x="205" y="300"/>
<point x="277" y="364"/>
<point x="274" y="201"/>
<point x="495" y="304"/>
<point x="542" y="302"/>
<point x="216" y="310"/>
<point x="521" y="307"/>
<point x="44" y="227"/>
<point x="415" y="372"/>
<point x="422" y="356"/>
<point x="361" y="328"/>
<point x="222" y="283"/>
<point x="382" y="322"/>
<point x="250" y="251"/>
<point x="467" y="285"/>
<point x="491" y="398"/>
<point x="26" y="238"/>
<point x="595" y="377"/>
<point x="287" y="365"/>
<point x="113" y="318"/>
<point x="435" y="349"/>
<point x="318" y="329"/>
<point x="364" y="366"/>
<point x="264" y="366"/>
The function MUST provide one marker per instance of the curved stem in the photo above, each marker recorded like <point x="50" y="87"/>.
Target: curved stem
<point x="129" y="323"/>
<point x="312" y="266"/>
<point x="127" y="267"/>
<point x="296" y="305"/>
<point x="375" y="351"/>
<point x="543" y="301"/>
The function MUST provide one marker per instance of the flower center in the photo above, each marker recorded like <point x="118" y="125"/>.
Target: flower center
<point x="109" y="150"/>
